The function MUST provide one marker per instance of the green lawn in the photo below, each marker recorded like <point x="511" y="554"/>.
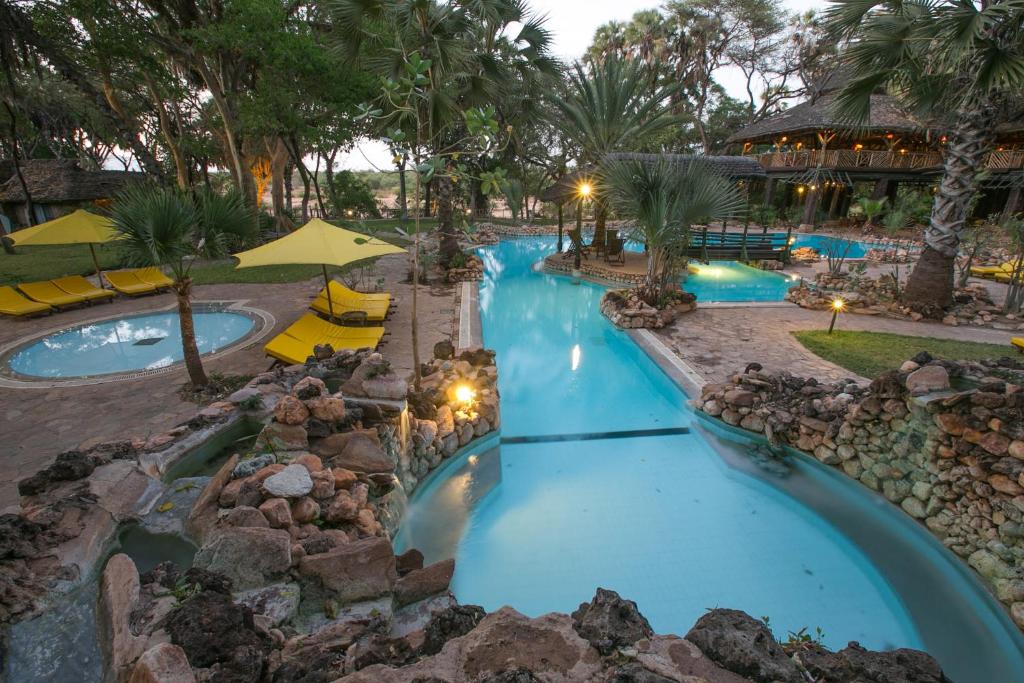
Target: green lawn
<point x="47" y="263"/>
<point x="870" y="353"/>
<point x="221" y="273"/>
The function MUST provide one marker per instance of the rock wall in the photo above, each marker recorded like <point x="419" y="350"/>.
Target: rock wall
<point x="953" y="460"/>
<point x="627" y="310"/>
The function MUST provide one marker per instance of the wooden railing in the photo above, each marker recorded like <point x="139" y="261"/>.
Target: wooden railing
<point x="849" y="159"/>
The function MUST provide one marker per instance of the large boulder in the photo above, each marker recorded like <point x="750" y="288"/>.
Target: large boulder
<point x="744" y="645"/>
<point x="928" y="379"/>
<point x="855" y="664"/>
<point x="212" y="629"/>
<point x="163" y="663"/>
<point x="291" y="482"/>
<point x="119" y="598"/>
<point x="453" y="622"/>
<point x="355" y="571"/>
<point x="250" y="556"/>
<point x="609" y="622"/>
<point x="359" y="451"/>
<point x="422" y="583"/>
<point x="504" y="641"/>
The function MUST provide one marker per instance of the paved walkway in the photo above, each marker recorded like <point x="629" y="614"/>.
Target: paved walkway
<point x="716" y="342"/>
<point x="39" y="423"/>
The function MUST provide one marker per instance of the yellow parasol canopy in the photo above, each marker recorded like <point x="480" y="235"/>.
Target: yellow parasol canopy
<point x="317" y="242"/>
<point x="77" y="227"/>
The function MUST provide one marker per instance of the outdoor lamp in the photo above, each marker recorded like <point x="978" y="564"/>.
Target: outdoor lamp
<point x="465" y="394"/>
<point x="585" y="189"/>
<point x="837" y="306"/>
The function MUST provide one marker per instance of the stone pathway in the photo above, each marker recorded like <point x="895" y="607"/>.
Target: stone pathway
<point x="717" y="342"/>
<point x="38" y="423"/>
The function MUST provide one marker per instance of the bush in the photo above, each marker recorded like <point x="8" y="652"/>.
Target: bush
<point x="351" y="193"/>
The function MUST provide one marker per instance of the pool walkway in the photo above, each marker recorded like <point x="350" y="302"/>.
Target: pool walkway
<point x="39" y="423"/>
<point x="717" y="342"/>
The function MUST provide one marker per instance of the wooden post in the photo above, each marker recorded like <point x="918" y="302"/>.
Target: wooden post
<point x="811" y="206"/>
<point x="1013" y="203"/>
<point x="769" y="191"/>
<point x="837" y="193"/>
<point x="743" y="248"/>
<point x="560" y="225"/>
<point x="786" y="248"/>
<point x="579" y="231"/>
<point x="704" y="245"/>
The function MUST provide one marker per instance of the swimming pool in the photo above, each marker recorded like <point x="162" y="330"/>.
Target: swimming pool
<point x="638" y="500"/>
<point x="857" y="248"/>
<point x="147" y="341"/>
<point x="721" y="281"/>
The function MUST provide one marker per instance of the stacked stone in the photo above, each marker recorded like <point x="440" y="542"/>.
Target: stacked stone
<point x="627" y="310"/>
<point x="473" y="270"/>
<point x="594" y="268"/>
<point x="440" y="424"/>
<point x="804" y="255"/>
<point x="952" y="460"/>
<point x="890" y="255"/>
<point x="973" y="305"/>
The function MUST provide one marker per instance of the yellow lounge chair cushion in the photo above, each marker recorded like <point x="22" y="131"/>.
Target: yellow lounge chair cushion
<point x="153" y="276"/>
<point x="982" y="271"/>
<point x="344" y="300"/>
<point x="12" y="303"/>
<point x="49" y="293"/>
<point x="76" y="284"/>
<point x="296" y="343"/>
<point x="1018" y="342"/>
<point x="288" y="349"/>
<point x="127" y="282"/>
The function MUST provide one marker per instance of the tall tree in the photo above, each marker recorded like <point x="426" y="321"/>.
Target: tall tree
<point x="610" y="109"/>
<point x="956" y="65"/>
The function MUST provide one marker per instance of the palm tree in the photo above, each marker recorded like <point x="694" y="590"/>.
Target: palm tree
<point x="666" y="198"/>
<point x="955" y="64"/>
<point x="164" y="227"/>
<point x="611" y="109"/>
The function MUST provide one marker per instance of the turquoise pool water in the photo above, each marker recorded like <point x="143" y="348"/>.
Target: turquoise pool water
<point x="857" y="249"/>
<point x="141" y="342"/>
<point x="735" y="281"/>
<point x="679" y="521"/>
<point x="661" y="519"/>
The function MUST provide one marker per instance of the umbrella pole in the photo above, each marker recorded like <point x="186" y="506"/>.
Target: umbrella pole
<point x="327" y="287"/>
<point x="96" y="262"/>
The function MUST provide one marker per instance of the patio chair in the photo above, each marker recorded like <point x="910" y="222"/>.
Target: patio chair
<point x="154" y="276"/>
<point x="615" y="250"/>
<point x="296" y="343"/>
<point x="127" y="282"/>
<point x="76" y="284"/>
<point x="576" y="245"/>
<point x="48" y="293"/>
<point x="350" y="305"/>
<point x="13" y="303"/>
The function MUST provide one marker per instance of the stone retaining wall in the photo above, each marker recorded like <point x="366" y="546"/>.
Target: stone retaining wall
<point x="953" y="460"/>
<point x="627" y="310"/>
<point x="593" y="268"/>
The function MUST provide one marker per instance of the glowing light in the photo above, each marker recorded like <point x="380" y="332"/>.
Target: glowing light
<point x="585" y="189"/>
<point x="465" y="394"/>
<point x="792" y="240"/>
<point x="350" y="213"/>
<point x="473" y="459"/>
<point x="800" y="189"/>
<point x="858" y="147"/>
<point x="576" y="354"/>
<point x="784" y="138"/>
<point x="712" y="271"/>
<point x="838" y="304"/>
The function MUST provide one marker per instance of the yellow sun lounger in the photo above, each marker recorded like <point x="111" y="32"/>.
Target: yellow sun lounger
<point x="345" y="301"/>
<point x="127" y="282"/>
<point x="76" y="284"/>
<point x="296" y="343"/>
<point x="1019" y="343"/>
<point x="48" y="293"/>
<point x="153" y="276"/>
<point x="13" y="303"/>
<point x="993" y="272"/>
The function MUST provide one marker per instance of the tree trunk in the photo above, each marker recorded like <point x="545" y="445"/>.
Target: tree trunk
<point x="316" y="186"/>
<point x="180" y="167"/>
<point x="600" y="221"/>
<point x="427" y="192"/>
<point x="403" y="199"/>
<point x="193" y="362"/>
<point x="278" y="167"/>
<point x="929" y="288"/>
<point x="449" y="246"/>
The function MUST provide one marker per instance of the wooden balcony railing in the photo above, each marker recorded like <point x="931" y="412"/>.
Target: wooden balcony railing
<point x="848" y="159"/>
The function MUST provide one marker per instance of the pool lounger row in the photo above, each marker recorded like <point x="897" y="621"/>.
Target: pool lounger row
<point x="296" y="343"/>
<point x="138" y="281"/>
<point x="46" y="295"/>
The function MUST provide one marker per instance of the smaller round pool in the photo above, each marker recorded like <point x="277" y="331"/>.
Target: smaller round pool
<point x="149" y="341"/>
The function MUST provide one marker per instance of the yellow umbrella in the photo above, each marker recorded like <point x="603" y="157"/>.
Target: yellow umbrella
<point x="317" y="242"/>
<point x="77" y="227"/>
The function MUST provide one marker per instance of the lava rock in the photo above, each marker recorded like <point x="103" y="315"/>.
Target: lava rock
<point x="210" y="628"/>
<point x="609" y="622"/>
<point x="743" y="645"/>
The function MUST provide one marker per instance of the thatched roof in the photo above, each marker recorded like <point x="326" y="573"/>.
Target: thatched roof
<point x="733" y="167"/>
<point x="58" y="181"/>
<point x="886" y="115"/>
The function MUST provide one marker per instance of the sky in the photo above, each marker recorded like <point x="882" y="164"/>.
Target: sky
<point x="572" y="24"/>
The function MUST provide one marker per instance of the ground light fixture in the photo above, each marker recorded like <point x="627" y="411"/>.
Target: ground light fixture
<point x="837" y="306"/>
<point x="465" y="394"/>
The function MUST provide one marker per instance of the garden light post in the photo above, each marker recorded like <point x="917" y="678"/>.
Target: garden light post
<point x="837" y="306"/>
<point x="583" y="192"/>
